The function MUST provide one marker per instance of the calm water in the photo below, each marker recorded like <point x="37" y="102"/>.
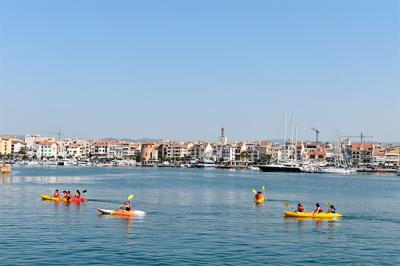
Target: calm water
<point x="196" y="217"/>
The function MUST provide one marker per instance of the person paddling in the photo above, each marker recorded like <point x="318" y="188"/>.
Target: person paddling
<point x="318" y="209"/>
<point x="332" y="208"/>
<point x="127" y="206"/>
<point x="56" y="194"/>
<point x="65" y="194"/>
<point x="300" y="207"/>
<point x="78" y="194"/>
<point x="259" y="196"/>
<point x="69" y="195"/>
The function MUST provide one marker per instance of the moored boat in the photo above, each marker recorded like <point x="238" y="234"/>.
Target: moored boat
<point x="281" y="167"/>
<point x="336" y="170"/>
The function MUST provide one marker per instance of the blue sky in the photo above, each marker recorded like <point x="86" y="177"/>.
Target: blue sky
<point x="183" y="69"/>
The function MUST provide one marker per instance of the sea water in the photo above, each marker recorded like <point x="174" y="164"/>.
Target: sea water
<point x="197" y="217"/>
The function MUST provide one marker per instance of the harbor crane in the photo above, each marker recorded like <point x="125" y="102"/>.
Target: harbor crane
<point x="361" y="136"/>
<point x="316" y="134"/>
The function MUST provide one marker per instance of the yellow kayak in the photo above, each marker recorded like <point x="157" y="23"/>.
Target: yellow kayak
<point x="312" y="215"/>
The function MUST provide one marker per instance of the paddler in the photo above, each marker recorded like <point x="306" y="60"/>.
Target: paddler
<point x="300" y="207"/>
<point x="318" y="209"/>
<point x="259" y="196"/>
<point x="332" y="209"/>
<point x="78" y="194"/>
<point x="69" y="195"/>
<point x="56" y="194"/>
<point x="127" y="206"/>
<point x="65" y="194"/>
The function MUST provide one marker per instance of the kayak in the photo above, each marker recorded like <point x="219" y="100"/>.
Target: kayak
<point x="311" y="215"/>
<point x="262" y="200"/>
<point x="49" y="197"/>
<point x="122" y="213"/>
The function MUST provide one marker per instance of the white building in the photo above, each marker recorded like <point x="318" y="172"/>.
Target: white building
<point x="201" y="151"/>
<point x="46" y="149"/>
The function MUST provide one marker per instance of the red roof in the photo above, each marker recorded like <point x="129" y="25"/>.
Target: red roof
<point x="362" y="146"/>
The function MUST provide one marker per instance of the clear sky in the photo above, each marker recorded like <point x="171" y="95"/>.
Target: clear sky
<point x="182" y="69"/>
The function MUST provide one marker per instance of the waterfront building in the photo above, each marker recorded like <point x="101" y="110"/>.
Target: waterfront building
<point x="6" y="145"/>
<point x="149" y="151"/>
<point x="130" y="150"/>
<point x="318" y="156"/>
<point x="362" y="153"/>
<point x="174" y="150"/>
<point x="16" y="146"/>
<point x="392" y="156"/>
<point x="46" y="149"/>
<point x="31" y="140"/>
<point x="77" y="149"/>
<point x="115" y="150"/>
<point x="201" y="151"/>
<point x="99" y="149"/>
<point x="225" y="152"/>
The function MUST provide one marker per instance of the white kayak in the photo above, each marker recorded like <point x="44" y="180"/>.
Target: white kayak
<point x="131" y="213"/>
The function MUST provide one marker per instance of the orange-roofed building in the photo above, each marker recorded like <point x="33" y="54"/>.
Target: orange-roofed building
<point x="315" y="155"/>
<point x="362" y="153"/>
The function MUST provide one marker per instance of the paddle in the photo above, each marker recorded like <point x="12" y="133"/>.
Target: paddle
<point x="254" y="191"/>
<point x="287" y="205"/>
<point x="130" y="197"/>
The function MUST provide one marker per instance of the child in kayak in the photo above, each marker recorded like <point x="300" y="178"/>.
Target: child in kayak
<point x="318" y="209"/>
<point x="78" y="194"/>
<point x="56" y="194"/>
<point x="300" y="207"/>
<point x="65" y="194"/>
<point x="259" y="196"/>
<point x="332" y="209"/>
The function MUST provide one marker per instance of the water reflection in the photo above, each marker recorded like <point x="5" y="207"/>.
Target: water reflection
<point x="127" y="221"/>
<point x="318" y="223"/>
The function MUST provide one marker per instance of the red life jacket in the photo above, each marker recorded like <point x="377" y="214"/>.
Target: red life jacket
<point x="77" y="196"/>
<point x="319" y="210"/>
<point x="259" y="196"/>
<point x="300" y="209"/>
<point x="56" y="195"/>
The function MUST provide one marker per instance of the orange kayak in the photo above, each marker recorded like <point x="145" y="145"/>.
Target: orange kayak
<point x="49" y="197"/>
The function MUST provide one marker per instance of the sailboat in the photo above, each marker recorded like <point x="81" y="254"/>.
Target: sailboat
<point x="285" y="165"/>
<point x="340" y="165"/>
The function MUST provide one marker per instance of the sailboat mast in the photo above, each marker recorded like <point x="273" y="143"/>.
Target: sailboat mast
<point x="284" y="139"/>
